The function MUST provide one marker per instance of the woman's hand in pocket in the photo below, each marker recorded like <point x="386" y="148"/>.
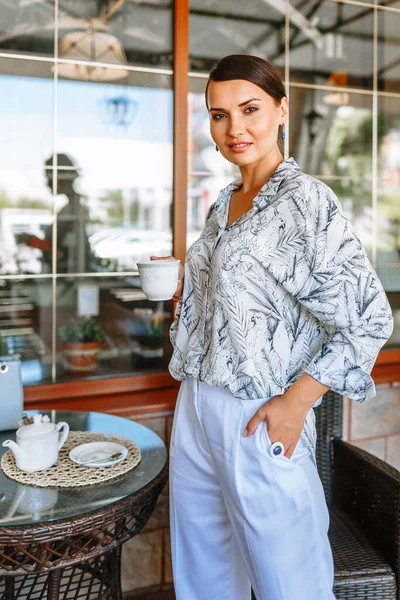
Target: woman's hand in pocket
<point x="179" y="289"/>
<point x="284" y="419"/>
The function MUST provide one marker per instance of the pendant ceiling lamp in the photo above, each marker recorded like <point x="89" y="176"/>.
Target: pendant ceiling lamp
<point x="94" y="46"/>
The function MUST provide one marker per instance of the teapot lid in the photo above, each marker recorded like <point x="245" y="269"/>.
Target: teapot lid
<point x="37" y="429"/>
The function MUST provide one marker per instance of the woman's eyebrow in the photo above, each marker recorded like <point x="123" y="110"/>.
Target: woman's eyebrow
<point x="241" y="104"/>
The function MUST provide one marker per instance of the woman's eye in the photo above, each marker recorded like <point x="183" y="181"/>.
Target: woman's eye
<point x="251" y="109"/>
<point x="218" y="116"/>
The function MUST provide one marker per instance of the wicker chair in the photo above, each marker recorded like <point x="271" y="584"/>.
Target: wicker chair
<point x="363" y="494"/>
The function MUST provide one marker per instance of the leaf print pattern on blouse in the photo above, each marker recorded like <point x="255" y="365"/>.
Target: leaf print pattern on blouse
<point x="286" y="289"/>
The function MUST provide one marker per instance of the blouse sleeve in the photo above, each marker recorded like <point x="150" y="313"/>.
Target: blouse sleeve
<point x="173" y="330"/>
<point x="337" y="284"/>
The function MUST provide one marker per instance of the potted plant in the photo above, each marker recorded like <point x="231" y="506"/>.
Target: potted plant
<point x="82" y="340"/>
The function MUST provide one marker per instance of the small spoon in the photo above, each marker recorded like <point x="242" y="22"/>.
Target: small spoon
<point x="113" y="457"/>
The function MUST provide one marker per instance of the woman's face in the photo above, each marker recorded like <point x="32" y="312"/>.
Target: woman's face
<point x="244" y="120"/>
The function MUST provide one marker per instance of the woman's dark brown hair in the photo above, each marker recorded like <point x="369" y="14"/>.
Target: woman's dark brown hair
<point x="251" y="68"/>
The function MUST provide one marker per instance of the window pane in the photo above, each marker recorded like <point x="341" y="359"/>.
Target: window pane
<point x="109" y="222"/>
<point x="388" y="181"/>
<point x="230" y="27"/>
<point x="389" y="51"/>
<point x="135" y="330"/>
<point x="115" y="33"/>
<point x="114" y="188"/>
<point x="202" y="192"/>
<point x="355" y="196"/>
<point x="390" y="277"/>
<point x="27" y="126"/>
<point x="140" y="109"/>
<point x="26" y="206"/>
<point x="27" y="27"/>
<point x="331" y="133"/>
<point x="336" y="48"/>
<point x="25" y="326"/>
<point x="390" y="3"/>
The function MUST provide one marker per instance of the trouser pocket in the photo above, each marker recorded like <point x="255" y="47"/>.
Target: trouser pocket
<point x="300" y="452"/>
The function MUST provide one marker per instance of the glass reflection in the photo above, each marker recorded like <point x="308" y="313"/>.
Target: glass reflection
<point x="28" y="500"/>
<point x="27" y="126"/>
<point x="134" y="330"/>
<point x="121" y="165"/>
<point x="202" y="192"/>
<point x="389" y="51"/>
<point x="229" y="27"/>
<point x="390" y="277"/>
<point x="388" y="181"/>
<point x="27" y="27"/>
<point x="355" y="197"/>
<point x="109" y="221"/>
<point x="336" y="48"/>
<point x="118" y="33"/>
<point x="25" y="326"/>
<point x="331" y="132"/>
<point x="73" y="249"/>
<point x="25" y="220"/>
<point x="389" y="3"/>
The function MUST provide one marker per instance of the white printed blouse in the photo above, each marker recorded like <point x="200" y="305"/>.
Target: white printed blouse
<point x="286" y="289"/>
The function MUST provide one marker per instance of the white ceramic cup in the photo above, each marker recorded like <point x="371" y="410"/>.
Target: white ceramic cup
<point x="159" y="278"/>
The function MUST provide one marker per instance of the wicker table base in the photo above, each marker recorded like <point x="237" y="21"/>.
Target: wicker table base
<point x="93" y="580"/>
<point x="77" y="559"/>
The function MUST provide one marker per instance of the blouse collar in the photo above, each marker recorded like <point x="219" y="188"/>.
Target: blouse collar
<point x="270" y="188"/>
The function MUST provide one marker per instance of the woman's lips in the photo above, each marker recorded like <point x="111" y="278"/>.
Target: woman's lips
<point x="239" y="147"/>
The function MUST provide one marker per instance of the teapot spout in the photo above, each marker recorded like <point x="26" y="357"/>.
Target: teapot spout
<point x="15" y="449"/>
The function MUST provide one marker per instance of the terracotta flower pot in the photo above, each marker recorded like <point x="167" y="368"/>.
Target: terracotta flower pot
<point x="81" y="357"/>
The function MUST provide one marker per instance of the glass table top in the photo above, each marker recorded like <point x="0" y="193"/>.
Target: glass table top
<point x="27" y="505"/>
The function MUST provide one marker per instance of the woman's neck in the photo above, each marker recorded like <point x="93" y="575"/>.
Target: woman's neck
<point x="255" y="175"/>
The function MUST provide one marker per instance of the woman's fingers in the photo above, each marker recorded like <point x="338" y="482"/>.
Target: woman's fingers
<point x="289" y="451"/>
<point x="162" y="257"/>
<point x="179" y="288"/>
<point x="254" y="422"/>
<point x="284" y="424"/>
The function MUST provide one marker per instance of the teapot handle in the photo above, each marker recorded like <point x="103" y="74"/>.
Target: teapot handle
<point x="65" y="426"/>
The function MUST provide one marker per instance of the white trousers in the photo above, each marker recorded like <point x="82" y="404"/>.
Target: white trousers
<point x="239" y="517"/>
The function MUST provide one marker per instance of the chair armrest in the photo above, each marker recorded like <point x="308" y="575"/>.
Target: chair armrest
<point x="368" y="490"/>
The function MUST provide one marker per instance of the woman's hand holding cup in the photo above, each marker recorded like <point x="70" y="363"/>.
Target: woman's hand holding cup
<point x="179" y="274"/>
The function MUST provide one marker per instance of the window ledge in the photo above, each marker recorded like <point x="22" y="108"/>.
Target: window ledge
<point x="150" y="393"/>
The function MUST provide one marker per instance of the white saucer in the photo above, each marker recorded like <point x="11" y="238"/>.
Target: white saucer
<point x="101" y="450"/>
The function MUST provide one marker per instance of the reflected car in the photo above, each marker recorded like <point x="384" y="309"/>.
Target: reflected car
<point x="124" y="248"/>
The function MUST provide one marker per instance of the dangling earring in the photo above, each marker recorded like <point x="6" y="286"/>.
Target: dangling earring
<point x="216" y="148"/>
<point x="283" y="131"/>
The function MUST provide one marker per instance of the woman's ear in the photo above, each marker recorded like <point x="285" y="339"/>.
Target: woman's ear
<point x="284" y="108"/>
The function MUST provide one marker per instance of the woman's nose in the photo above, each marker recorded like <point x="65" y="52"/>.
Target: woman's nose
<point x="236" y="127"/>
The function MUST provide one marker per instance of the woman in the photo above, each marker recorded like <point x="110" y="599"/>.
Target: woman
<point x="280" y="303"/>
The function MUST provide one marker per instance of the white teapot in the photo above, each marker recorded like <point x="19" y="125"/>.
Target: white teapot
<point x="38" y="444"/>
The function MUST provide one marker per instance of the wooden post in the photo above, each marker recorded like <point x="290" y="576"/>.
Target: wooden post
<point x="181" y="68"/>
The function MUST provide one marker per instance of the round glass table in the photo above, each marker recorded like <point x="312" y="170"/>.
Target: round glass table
<point x="65" y="543"/>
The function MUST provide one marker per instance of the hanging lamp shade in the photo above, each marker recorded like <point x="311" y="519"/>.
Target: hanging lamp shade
<point x="94" y="46"/>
